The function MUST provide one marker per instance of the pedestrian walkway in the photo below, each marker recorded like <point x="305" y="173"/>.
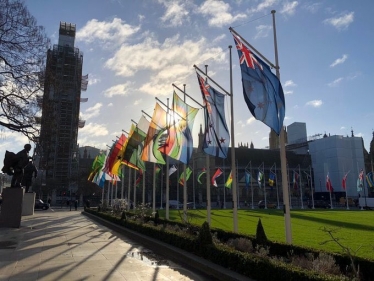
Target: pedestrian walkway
<point x="59" y="244"/>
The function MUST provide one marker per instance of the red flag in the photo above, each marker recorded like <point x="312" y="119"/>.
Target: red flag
<point x="328" y="184"/>
<point x="344" y="181"/>
<point x="216" y="175"/>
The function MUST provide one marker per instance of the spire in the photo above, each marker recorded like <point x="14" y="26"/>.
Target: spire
<point x="352" y="132"/>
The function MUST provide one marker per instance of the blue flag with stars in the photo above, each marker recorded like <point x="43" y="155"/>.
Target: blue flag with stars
<point x="262" y="90"/>
<point x="217" y="136"/>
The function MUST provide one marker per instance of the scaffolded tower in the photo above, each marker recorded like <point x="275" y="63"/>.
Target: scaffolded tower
<point x="63" y="84"/>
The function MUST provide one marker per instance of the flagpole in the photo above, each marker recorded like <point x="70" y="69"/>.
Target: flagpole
<point x="167" y="168"/>
<point x="301" y="189"/>
<point x="276" y="184"/>
<point x="264" y="183"/>
<point x="193" y="182"/>
<point x="129" y="190"/>
<point x="123" y="181"/>
<point x="184" y="164"/>
<point x="286" y="204"/>
<point x="208" y="199"/>
<point x="237" y="178"/>
<point x="162" y="187"/>
<point x="178" y="188"/>
<point x="233" y="168"/>
<point x="346" y="196"/>
<point x="288" y="187"/>
<point x="311" y="186"/>
<point x="134" y="195"/>
<point x="154" y="189"/>
<point x="224" y="188"/>
<point x="143" y="179"/>
<point x="250" y="181"/>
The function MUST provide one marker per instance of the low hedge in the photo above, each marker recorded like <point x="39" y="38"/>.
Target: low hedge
<point x="247" y="264"/>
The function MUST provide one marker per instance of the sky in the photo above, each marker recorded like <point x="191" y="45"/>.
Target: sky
<point x="135" y="50"/>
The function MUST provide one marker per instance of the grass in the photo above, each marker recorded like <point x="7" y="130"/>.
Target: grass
<point x="354" y="228"/>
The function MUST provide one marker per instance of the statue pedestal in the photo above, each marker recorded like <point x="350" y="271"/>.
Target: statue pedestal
<point x="11" y="208"/>
<point x="28" y="204"/>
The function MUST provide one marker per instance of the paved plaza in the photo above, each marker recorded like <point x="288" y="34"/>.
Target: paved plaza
<point x="58" y="244"/>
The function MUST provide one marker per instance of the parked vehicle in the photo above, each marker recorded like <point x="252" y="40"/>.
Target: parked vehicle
<point x="173" y="204"/>
<point x="39" y="204"/>
<point x="270" y="205"/>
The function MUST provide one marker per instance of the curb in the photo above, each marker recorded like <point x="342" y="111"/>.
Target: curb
<point x="175" y="254"/>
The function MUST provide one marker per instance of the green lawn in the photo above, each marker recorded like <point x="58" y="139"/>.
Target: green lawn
<point x="354" y="228"/>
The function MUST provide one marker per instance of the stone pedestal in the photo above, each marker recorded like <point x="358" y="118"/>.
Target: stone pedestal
<point x="28" y="204"/>
<point x="11" y="208"/>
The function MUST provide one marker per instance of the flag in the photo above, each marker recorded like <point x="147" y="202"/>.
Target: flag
<point x="176" y="140"/>
<point x="215" y="176"/>
<point x="158" y="169"/>
<point x="295" y="180"/>
<point x="97" y="165"/>
<point x="360" y="181"/>
<point x="217" y="136"/>
<point x="247" y="179"/>
<point x="157" y="124"/>
<point x="344" y="181"/>
<point x="271" y="179"/>
<point x="172" y="170"/>
<point x="139" y="178"/>
<point x="203" y="171"/>
<point x="188" y="174"/>
<point x="328" y="184"/>
<point x="369" y="179"/>
<point x="262" y="90"/>
<point x="260" y="176"/>
<point x="229" y="181"/>
<point x="135" y="143"/>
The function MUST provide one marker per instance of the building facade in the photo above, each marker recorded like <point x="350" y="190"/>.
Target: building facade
<point x="57" y="146"/>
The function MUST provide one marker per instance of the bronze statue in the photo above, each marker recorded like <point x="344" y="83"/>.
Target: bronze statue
<point x="28" y="172"/>
<point x="20" y="161"/>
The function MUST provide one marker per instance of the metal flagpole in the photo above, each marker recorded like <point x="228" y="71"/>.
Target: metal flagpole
<point x="264" y="183"/>
<point x="233" y="164"/>
<point x="134" y="195"/>
<point x="178" y="188"/>
<point x="276" y="184"/>
<point x="123" y="181"/>
<point x="301" y="189"/>
<point x="224" y="188"/>
<point x="193" y="182"/>
<point x="162" y="187"/>
<point x="288" y="189"/>
<point x="250" y="181"/>
<point x="143" y="180"/>
<point x="154" y="189"/>
<point x="167" y="167"/>
<point x="129" y="190"/>
<point x="286" y="205"/>
<point x="208" y="199"/>
<point x="346" y="196"/>
<point x="184" y="165"/>
<point x="311" y="185"/>
<point x="237" y="184"/>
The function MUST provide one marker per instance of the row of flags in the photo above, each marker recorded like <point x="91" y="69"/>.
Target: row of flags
<point x="360" y="181"/>
<point x="169" y="132"/>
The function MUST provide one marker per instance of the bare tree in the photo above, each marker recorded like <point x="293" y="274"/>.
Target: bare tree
<point x="23" y="48"/>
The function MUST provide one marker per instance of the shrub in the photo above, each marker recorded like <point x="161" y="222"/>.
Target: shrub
<point x="241" y="244"/>
<point x="123" y="216"/>
<point x="205" y="236"/>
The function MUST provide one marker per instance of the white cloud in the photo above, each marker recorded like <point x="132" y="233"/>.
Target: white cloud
<point x="339" y="60"/>
<point x="341" y="22"/>
<point x="289" y="83"/>
<point x="314" y="103"/>
<point x="342" y="128"/>
<point x="92" y="79"/>
<point x="218" y="38"/>
<point x="93" y="129"/>
<point x="165" y="63"/>
<point x="251" y="120"/>
<point x="110" y="104"/>
<point x="92" y="111"/>
<point x="336" y="82"/>
<point x="264" y="5"/>
<point x="175" y="13"/>
<point x="118" y="90"/>
<point x="218" y="14"/>
<point x="289" y="8"/>
<point x="313" y="8"/>
<point x="288" y="92"/>
<point x="263" y="31"/>
<point x="108" y="33"/>
<point x="138" y="101"/>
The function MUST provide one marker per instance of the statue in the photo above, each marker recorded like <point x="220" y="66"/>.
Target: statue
<point x="28" y="172"/>
<point x="21" y="159"/>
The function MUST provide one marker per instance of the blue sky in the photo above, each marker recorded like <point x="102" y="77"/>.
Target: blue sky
<point x="134" y="51"/>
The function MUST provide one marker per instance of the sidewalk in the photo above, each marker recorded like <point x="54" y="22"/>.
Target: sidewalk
<point x="59" y="244"/>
